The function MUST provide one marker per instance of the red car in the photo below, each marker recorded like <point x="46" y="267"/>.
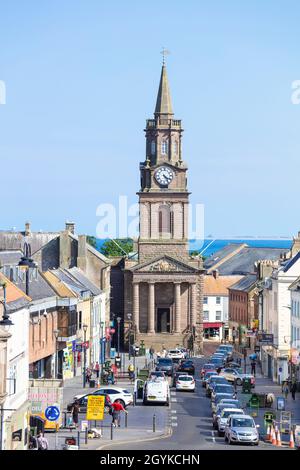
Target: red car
<point x="207" y="368"/>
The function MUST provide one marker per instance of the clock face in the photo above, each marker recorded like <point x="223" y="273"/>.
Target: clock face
<point x="164" y="175"/>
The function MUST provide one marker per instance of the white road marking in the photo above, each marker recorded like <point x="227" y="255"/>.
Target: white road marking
<point x="213" y="436"/>
<point x="174" y="417"/>
<point x="173" y="400"/>
<point x="173" y="394"/>
<point x="173" y="411"/>
<point x="174" y="424"/>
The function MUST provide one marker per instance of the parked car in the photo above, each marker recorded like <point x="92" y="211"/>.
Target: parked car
<point x="222" y="388"/>
<point x="228" y="348"/>
<point x="175" y="354"/>
<point x="185" y="382"/>
<point x="220" y="407"/>
<point x="156" y="391"/>
<point x="212" y="381"/>
<point x="241" y="429"/>
<point x="219" y="399"/>
<point x="223" y="419"/>
<point x="206" y="368"/>
<point x="83" y="399"/>
<point x="165" y="364"/>
<point x="206" y="377"/>
<point x="186" y="365"/>
<point x="233" y="374"/>
<point x="217" y="362"/>
<point x="114" y="393"/>
<point x="176" y="375"/>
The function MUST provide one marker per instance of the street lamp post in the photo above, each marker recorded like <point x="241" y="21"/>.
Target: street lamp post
<point x="119" y="321"/>
<point x="129" y="315"/>
<point x="102" y="349"/>
<point x="85" y="327"/>
<point x="27" y="264"/>
<point x="56" y="334"/>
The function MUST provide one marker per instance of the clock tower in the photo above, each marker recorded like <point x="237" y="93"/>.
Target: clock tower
<point x="163" y="285"/>
<point x="163" y="197"/>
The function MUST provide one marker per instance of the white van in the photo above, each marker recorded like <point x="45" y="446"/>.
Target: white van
<point x="156" y="391"/>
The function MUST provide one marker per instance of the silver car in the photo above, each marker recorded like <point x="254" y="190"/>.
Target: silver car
<point x="241" y="429"/>
<point x="224" y="416"/>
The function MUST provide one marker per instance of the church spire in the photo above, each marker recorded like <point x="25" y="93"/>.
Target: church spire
<point x="163" y="102"/>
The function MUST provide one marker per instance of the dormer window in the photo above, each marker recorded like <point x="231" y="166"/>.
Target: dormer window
<point x="164" y="147"/>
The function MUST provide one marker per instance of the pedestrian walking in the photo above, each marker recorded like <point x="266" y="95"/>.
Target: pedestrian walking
<point x="294" y="390"/>
<point x="253" y="367"/>
<point x="131" y="372"/>
<point x="75" y="412"/>
<point x="151" y="352"/>
<point x="88" y="375"/>
<point x="285" y="389"/>
<point x="42" y="442"/>
<point x="97" y="369"/>
<point x="117" y="407"/>
<point x="33" y="443"/>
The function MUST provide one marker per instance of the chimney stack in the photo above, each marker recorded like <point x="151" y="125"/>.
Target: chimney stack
<point x="70" y="227"/>
<point x="215" y="273"/>
<point x="27" y="229"/>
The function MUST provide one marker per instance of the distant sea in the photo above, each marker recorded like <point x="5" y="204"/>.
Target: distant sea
<point x="211" y="245"/>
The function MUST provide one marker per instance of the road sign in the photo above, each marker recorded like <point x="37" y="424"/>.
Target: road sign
<point x="95" y="407"/>
<point x="52" y="413"/>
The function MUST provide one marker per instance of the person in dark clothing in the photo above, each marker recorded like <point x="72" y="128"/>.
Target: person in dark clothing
<point x="253" y="367"/>
<point x="75" y="412"/>
<point x="294" y="390"/>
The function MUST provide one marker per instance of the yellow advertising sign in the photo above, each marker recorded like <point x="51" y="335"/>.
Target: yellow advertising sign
<point x="95" y="407"/>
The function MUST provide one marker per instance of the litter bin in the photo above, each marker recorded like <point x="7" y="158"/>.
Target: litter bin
<point x="246" y="385"/>
<point x="92" y="383"/>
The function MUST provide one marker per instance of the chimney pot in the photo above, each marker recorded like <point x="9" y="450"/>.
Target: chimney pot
<point x="27" y="228"/>
<point x="215" y="273"/>
<point x="70" y="227"/>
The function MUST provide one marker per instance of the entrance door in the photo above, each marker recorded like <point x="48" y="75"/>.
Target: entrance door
<point x="163" y="320"/>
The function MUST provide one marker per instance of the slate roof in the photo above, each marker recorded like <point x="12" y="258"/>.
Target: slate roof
<point x="15" y="298"/>
<point x="80" y="276"/>
<point x="243" y="262"/>
<point x="245" y="284"/>
<point x="10" y="257"/>
<point x="216" y="257"/>
<point x="291" y="262"/>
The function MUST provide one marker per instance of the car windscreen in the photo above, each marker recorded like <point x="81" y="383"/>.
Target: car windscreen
<point x="221" y="407"/>
<point x="243" y="423"/>
<point x="221" y="396"/>
<point x="227" y="403"/>
<point x="164" y="362"/>
<point x="219" y="380"/>
<point x="227" y="413"/>
<point x="208" y="374"/>
<point x="224" y="388"/>
<point x="185" y="378"/>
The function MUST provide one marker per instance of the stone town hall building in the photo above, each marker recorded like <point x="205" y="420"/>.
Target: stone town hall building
<point x="162" y="284"/>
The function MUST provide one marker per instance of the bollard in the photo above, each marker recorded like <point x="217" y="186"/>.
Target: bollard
<point x="154" y="423"/>
<point x="65" y="419"/>
<point x="86" y="435"/>
<point x="126" y="418"/>
<point x="111" y="431"/>
<point x="78" y="439"/>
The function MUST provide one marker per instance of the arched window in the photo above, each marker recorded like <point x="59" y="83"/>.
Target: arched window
<point x="175" y="147"/>
<point x="164" y="147"/>
<point x="152" y="147"/>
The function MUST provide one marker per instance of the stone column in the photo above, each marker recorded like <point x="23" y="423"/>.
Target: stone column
<point x="136" y="306"/>
<point x="177" y="307"/>
<point x="151" y="307"/>
<point x="193" y="305"/>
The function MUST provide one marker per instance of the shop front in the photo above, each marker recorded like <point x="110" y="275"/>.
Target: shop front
<point x="16" y="428"/>
<point x="213" y="330"/>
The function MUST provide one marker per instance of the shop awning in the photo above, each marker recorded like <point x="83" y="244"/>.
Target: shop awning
<point x="212" y="324"/>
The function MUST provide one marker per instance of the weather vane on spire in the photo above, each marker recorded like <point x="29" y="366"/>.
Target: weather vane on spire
<point x="164" y="53"/>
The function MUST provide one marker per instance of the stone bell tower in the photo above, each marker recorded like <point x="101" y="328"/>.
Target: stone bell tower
<point x="163" y="286"/>
<point x="163" y="197"/>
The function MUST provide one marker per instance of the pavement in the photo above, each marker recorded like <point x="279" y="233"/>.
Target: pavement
<point x="185" y="424"/>
<point x="136" y="429"/>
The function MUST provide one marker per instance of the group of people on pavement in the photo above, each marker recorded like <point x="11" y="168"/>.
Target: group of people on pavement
<point x="38" y="442"/>
<point x="90" y="370"/>
<point x="286" y="388"/>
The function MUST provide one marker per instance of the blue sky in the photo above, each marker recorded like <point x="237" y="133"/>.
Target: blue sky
<point x="82" y="77"/>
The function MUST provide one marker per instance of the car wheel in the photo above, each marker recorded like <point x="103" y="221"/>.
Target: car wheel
<point x="238" y="382"/>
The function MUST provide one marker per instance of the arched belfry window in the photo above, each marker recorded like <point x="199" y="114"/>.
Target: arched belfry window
<point x="165" y="218"/>
<point x="152" y="147"/>
<point x="164" y="147"/>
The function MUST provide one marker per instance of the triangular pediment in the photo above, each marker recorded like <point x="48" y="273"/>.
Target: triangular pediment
<point x="164" y="264"/>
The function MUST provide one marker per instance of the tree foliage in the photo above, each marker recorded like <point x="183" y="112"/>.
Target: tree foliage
<point x="92" y="241"/>
<point x="118" y="247"/>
